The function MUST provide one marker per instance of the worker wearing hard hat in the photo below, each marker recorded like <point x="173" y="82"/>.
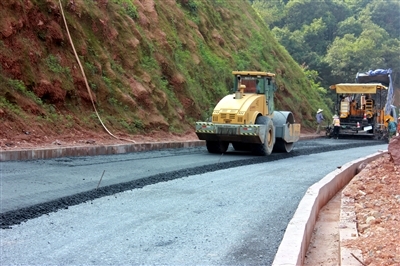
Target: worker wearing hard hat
<point x="336" y="126"/>
<point x="319" y="118"/>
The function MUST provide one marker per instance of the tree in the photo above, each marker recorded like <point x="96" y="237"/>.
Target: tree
<point x="292" y="40"/>
<point x="349" y="55"/>
<point x="270" y="12"/>
<point x="303" y="12"/>
<point x="337" y="38"/>
<point x="356" y="5"/>
<point x="386" y="14"/>
<point x="315" y="35"/>
<point x="349" y="26"/>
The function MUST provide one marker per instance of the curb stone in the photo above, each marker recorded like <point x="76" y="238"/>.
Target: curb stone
<point x="48" y="153"/>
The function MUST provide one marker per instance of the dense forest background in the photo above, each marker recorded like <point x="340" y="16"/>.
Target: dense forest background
<point x="335" y="39"/>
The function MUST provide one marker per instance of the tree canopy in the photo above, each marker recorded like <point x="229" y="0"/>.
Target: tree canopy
<point x="337" y="38"/>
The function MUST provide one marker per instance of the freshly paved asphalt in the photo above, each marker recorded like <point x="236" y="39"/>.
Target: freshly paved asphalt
<point x="212" y="218"/>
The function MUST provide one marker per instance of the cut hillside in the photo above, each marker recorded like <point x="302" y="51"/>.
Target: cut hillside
<point x="153" y="67"/>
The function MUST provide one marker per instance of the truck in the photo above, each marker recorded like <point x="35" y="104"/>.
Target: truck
<point x="364" y="107"/>
<point x="246" y="118"/>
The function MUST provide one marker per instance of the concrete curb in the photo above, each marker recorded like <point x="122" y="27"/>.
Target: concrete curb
<point x="296" y="239"/>
<point x="47" y="153"/>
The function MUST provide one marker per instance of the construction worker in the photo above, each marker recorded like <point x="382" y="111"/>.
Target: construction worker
<point x="319" y="118"/>
<point x="336" y="126"/>
<point x="392" y="128"/>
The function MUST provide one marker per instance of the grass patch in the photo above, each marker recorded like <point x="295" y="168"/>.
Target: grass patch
<point x="53" y="63"/>
<point x="127" y="7"/>
<point x="12" y="109"/>
<point x="19" y="86"/>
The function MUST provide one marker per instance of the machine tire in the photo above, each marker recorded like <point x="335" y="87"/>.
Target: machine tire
<point x="268" y="145"/>
<point x="283" y="146"/>
<point x="217" y="146"/>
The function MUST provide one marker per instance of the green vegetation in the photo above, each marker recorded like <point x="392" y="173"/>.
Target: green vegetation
<point x="128" y="6"/>
<point x="19" y="86"/>
<point x="13" y="109"/>
<point x="54" y="64"/>
<point x="337" y="38"/>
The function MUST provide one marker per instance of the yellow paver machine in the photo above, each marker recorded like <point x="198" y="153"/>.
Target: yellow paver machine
<point x="365" y="107"/>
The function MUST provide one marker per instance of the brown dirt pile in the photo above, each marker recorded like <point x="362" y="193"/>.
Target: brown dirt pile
<point x="376" y="191"/>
